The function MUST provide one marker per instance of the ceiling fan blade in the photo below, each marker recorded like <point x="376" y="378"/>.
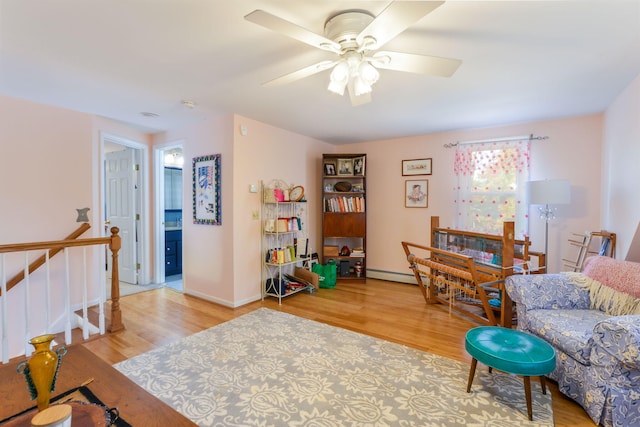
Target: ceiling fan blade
<point x="300" y="74"/>
<point x="357" y="100"/>
<point x="421" y="64"/>
<point x="279" y="25"/>
<point x="396" y="18"/>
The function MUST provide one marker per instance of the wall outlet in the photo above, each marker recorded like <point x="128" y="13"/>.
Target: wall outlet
<point x="255" y="215"/>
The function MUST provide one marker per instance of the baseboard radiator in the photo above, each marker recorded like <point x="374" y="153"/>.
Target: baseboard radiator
<point x="391" y="276"/>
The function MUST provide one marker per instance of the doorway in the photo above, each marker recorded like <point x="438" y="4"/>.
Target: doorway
<point x="123" y="203"/>
<point x="169" y="215"/>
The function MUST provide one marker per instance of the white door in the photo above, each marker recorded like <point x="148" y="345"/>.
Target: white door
<point x="120" y="180"/>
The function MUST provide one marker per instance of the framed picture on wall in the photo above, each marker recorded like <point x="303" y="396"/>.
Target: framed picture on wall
<point x="206" y="190"/>
<point x="416" y="167"/>
<point x="416" y="193"/>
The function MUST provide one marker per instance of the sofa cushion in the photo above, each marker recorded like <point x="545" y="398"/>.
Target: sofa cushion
<point x="571" y="331"/>
<point x="620" y="337"/>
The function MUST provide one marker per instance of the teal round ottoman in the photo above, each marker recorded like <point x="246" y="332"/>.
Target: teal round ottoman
<point x="511" y="351"/>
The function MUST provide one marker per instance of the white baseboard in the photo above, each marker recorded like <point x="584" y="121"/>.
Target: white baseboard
<point x="391" y="276"/>
<point x="230" y="304"/>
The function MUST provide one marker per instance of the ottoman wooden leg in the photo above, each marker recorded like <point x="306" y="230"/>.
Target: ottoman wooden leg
<point x="472" y="372"/>
<point x="543" y="385"/>
<point x="527" y="395"/>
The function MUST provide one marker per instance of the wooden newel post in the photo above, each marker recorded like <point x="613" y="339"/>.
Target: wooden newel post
<point x="116" y="314"/>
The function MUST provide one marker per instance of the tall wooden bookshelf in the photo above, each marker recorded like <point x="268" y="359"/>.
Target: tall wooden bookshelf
<point x="344" y="214"/>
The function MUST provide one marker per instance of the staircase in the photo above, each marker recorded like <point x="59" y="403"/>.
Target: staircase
<point x="62" y="295"/>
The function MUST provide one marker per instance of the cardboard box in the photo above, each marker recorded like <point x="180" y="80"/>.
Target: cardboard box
<point x="308" y="276"/>
<point x="330" y="251"/>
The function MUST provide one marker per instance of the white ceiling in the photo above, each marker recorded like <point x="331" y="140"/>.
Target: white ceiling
<point x="522" y="61"/>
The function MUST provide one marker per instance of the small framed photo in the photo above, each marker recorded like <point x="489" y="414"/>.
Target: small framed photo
<point x="416" y="193"/>
<point x="330" y="169"/>
<point x="416" y="167"/>
<point x="345" y="167"/>
<point x="358" y="166"/>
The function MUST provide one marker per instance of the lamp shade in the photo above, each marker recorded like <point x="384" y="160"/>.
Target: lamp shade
<point x="549" y="192"/>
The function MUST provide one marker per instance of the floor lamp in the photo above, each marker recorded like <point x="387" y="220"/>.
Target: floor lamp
<point x="548" y="192"/>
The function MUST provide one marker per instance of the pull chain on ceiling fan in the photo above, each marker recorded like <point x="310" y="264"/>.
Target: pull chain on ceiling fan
<point x="355" y="36"/>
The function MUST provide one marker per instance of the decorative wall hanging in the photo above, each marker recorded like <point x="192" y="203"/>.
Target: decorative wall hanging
<point x="207" y="208"/>
<point x="416" y="194"/>
<point x="82" y="215"/>
<point x="416" y="167"/>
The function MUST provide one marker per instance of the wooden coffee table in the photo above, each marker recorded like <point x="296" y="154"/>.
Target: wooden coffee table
<point x="137" y="406"/>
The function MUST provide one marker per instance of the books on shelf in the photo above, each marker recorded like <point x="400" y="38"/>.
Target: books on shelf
<point x="344" y="204"/>
<point x="357" y="253"/>
<point x="284" y="225"/>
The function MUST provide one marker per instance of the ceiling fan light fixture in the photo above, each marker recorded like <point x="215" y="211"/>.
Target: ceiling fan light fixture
<point x="360" y="87"/>
<point x="339" y="78"/>
<point x="337" y="88"/>
<point x="368" y="73"/>
<point x="355" y="35"/>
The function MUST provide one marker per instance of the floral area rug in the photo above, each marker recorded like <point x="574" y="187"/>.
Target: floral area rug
<point x="268" y="368"/>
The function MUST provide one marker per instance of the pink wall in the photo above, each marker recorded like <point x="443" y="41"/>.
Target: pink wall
<point x="621" y="174"/>
<point x="223" y="263"/>
<point x="45" y="175"/>
<point x="57" y="152"/>
<point x="50" y="157"/>
<point x="389" y="222"/>
<point x="46" y="171"/>
<point x="207" y="250"/>
<point x="267" y="153"/>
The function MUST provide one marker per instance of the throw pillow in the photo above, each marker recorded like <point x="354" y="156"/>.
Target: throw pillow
<point x="623" y="276"/>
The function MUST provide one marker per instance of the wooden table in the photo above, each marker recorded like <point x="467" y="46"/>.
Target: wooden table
<point x="137" y="406"/>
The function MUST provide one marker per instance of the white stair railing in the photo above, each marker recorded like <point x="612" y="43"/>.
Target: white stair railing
<point x="34" y="303"/>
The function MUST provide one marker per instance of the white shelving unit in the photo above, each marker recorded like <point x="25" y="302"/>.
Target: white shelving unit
<point x="284" y="242"/>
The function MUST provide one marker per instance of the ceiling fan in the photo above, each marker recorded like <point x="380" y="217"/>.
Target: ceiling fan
<point x="355" y="37"/>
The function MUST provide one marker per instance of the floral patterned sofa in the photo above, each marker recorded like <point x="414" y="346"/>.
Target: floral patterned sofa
<point x="592" y="319"/>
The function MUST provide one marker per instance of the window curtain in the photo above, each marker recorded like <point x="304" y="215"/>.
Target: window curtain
<point x="491" y="179"/>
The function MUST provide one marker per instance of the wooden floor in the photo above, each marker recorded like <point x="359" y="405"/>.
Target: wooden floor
<point x="391" y="311"/>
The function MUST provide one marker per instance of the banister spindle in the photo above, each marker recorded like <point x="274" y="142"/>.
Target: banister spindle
<point x="27" y="306"/>
<point x="5" y="318"/>
<point x="47" y="284"/>
<point x="102" y="295"/>
<point x="85" y="317"/>
<point x="67" y="299"/>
